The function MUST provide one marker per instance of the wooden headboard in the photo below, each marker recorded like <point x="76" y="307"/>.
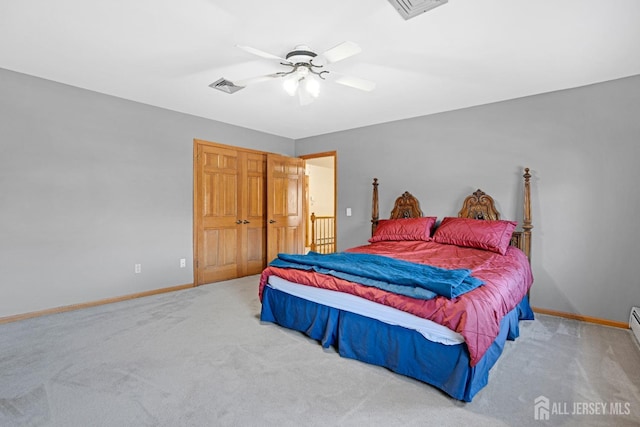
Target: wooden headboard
<point x="406" y="206"/>
<point x="478" y="205"/>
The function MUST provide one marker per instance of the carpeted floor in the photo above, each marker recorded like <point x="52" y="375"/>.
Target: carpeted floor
<point x="201" y="357"/>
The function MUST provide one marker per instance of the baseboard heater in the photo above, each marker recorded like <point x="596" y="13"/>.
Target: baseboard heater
<point x="634" y="322"/>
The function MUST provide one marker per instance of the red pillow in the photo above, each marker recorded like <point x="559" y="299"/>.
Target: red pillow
<point x="404" y="229"/>
<point x="491" y="235"/>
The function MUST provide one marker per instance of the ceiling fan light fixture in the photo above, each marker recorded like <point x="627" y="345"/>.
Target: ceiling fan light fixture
<point x="290" y="85"/>
<point x="312" y="86"/>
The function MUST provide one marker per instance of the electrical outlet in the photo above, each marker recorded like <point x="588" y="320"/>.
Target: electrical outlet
<point x="137" y="268"/>
<point x="183" y="262"/>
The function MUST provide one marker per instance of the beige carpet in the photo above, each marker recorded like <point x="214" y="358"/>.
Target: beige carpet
<point x="201" y="357"/>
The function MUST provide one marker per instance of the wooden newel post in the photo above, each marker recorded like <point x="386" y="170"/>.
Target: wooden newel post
<point x="313" y="231"/>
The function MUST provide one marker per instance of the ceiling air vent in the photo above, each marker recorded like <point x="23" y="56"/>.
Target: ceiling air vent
<point x="411" y="8"/>
<point x="225" y="85"/>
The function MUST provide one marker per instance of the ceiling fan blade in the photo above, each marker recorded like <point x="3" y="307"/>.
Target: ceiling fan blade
<point x="354" y="82"/>
<point x="258" y="79"/>
<point x="262" y="54"/>
<point x="342" y="51"/>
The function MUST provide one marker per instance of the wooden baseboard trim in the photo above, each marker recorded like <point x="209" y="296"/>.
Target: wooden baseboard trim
<point x="581" y="317"/>
<point x="72" y="307"/>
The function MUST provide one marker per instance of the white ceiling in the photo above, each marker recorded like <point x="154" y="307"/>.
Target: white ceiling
<point x="464" y="53"/>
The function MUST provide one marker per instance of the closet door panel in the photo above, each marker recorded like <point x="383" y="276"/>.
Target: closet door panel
<point x="253" y="214"/>
<point x="216" y="200"/>
<point x="285" y="196"/>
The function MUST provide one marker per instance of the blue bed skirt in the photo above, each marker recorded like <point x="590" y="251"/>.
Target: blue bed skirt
<point x="401" y="350"/>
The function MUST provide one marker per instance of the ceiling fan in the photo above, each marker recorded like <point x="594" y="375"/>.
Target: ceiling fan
<point x="304" y="71"/>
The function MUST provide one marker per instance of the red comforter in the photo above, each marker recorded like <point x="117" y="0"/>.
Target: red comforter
<point x="476" y="315"/>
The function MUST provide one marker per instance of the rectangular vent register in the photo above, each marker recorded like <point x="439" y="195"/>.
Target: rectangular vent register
<point x="634" y="322"/>
<point x="412" y="8"/>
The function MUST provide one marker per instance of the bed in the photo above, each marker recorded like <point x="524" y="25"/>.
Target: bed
<point x="433" y="300"/>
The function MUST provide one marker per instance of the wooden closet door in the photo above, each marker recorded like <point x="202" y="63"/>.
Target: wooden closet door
<point x="285" y="207"/>
<point x="217" y="231"/>
<point x="247" y="206"/>
<point x="253" y="233"/>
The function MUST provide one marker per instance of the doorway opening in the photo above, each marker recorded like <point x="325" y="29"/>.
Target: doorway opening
<point x="320" y="199"/>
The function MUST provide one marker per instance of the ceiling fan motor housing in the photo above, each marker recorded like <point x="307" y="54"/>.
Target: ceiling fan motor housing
<point x="301" y="54"/>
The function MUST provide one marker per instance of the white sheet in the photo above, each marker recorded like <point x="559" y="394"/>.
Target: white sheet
<point x="427" y="328"/>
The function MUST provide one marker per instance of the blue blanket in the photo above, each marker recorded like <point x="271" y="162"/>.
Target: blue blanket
<point x="394" y="275"/>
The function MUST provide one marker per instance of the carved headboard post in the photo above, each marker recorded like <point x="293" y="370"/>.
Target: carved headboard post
<point x="374" y="207"/>
<point x="526" y="223"/>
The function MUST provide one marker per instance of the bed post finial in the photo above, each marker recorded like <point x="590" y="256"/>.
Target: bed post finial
<point x="526" y="223"/>
<point x="374" y="207"/>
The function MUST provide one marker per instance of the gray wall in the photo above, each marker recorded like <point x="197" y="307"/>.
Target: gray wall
<point x="583" y="146"/>
<point x="91" y="185"/>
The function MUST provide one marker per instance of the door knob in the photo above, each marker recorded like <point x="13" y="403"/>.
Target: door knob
<point x="246" y="222"/>
<point x="271" y="221"/>
<point x="238" y="222"/>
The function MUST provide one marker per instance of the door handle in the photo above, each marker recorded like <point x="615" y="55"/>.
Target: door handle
<point x="246" y="222"/>
<point x="238" y="222"/>
<point x="271" y="221"/>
